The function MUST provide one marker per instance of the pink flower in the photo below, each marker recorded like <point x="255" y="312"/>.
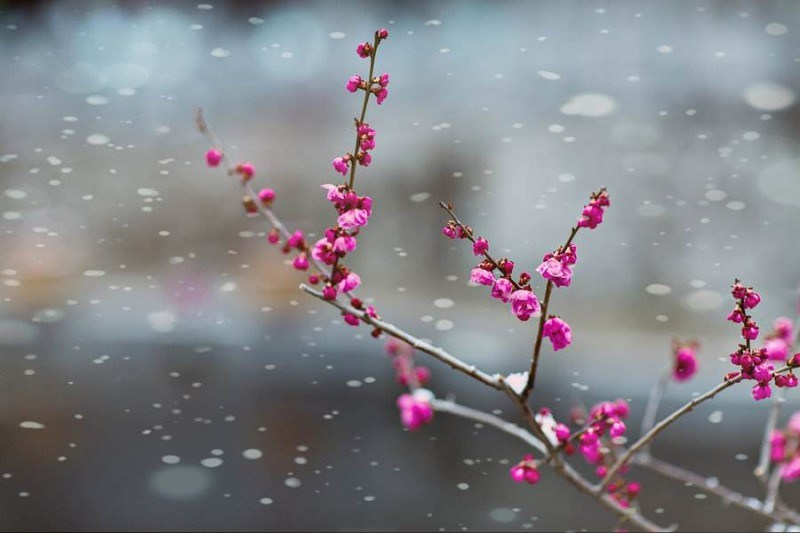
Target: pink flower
<point x="777" y="349"/>
<point x="364" y="50"/>
<point x="300" y="262"/>
<point x="554" y="270"/>
<point x="266" y="196"/>
<point x="329" y="292"/>
<point x="617" y="429"/>
<point x="562" y="432"/>
<point x="344" y="244"/>
<point x="481" y="276"/>
<point x="777" y="443"/>
<point x="296" y="240"/>
<point x="502" y="289"/>
<point x="350" y="282"/>
<point x="559" y="333"/>
<point x="353" y="83"/>
<point x="736" y="316"/>
<point x="323" y="251"/>
<point x="750" y="331"/>
<point x="335" y="194"/>
<point x="351" y="319"/>
<point x="382" y="33"/>
<point x="480" y="246"/>
<point x="685" y="364"/>
<point x="213" y="157"/>
<point x="355" y="218"/>
<point x="524" y="304"/>
<point x="247" y="170"/>
<point x="591" y="217"/>
<point x="364" y="159"/>
<point x="525" y="471"/>
<point x="383" y="80"/>
<point x="415" y="410"/>
<point x="340" y="164"/>
<point x="762" y="391"/>
<point x="791" y="471"/>
<point x="752" y="299"/>
<point x="273" y="237"/>
<point x="784" y="328"/>
<point x="381" y="95"/>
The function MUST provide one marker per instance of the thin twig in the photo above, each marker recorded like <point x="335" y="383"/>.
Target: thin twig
<point x="537" y="345"/>
<point x="773" y="485"/>
<point x="711" y="486"/>
<point x="562" y="468"/>
<point x="653" y="401"/>
<point x="762" y="469"/>
<point x="666" y="422"/>
<point x="493" y="381"/>
<point x="453" y="408"/>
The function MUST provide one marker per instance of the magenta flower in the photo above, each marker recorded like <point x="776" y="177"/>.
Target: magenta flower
<point x="525" y="471"/>
<point x="340" y="164"/>
<point x="502" y="289"/>
<point x="480" y="246"/>
<point x="777" y="349"/>
<point x="353" y="83"/>
<point x="364" y="50"/>
<point x="300" y="262"/>
<point x="481" y="276"/>
<point x="351" y="319"/>
<point x="266" y="196"/>
<point x="784" y="328"/>
<point x="750" y="331"/>
<point x="558" y="331"/>
<point x="344" y="244"/>
<point x="617" y="429"/>
<point x="382" y="33"/>
<point x="350" y="282"/>
<point x="752" y="299"/>
<point x="296" y="240"/>
<point x="524" y="304"/>
<point x="762" y="391"/>
<point x="329" y="292"/>
<point x="554" y="270"/>
<point x="685" y="364"/>
<point x="213" y="157"/>
<point x="381" y="95"/>
<point x="415" y="409"/>
<point x="247" y="170"/>
<point x="355" y="218"/>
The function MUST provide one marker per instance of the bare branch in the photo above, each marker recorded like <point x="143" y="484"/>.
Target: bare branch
<point x="493" y="381"/>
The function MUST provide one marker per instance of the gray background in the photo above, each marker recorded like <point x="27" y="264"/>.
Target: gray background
<point x="143" y="316"/>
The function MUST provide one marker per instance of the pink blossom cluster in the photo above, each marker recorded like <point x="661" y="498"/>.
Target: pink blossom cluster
<point x="378" y="86"/>
<point x="558" y="331"/>
<point x="415" y="408"/>
<point x="557" y="266"/>
<point x="754" y="363"/>
<point x="604" y="418"/>
<point x="593" y="212"/>
<point x="525" y="471"/>
<point x="684" y="361"/>
<point x="785" y="448"/>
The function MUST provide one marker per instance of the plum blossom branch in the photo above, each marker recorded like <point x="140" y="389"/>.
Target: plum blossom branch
<point x="562" y="468"/>
<point x="669" y="420"/>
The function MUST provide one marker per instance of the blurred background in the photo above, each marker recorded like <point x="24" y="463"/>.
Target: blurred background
<point x="159" y="368"/>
